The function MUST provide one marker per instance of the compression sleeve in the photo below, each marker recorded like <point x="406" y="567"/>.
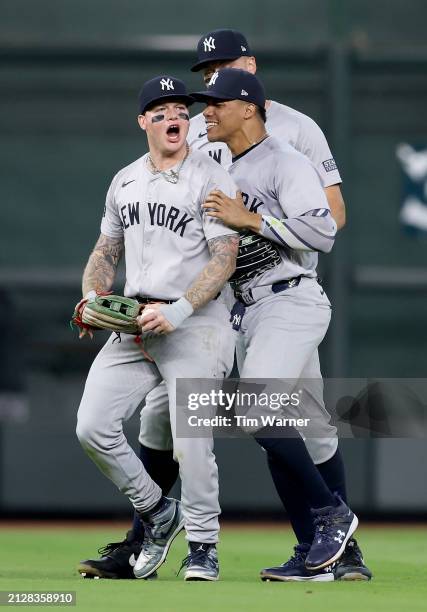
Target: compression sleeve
<point x="313" y="231"/>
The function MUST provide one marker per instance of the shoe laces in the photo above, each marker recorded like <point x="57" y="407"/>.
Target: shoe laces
<point x="184" y="563"/>
<point x="148" y="539"/>
<point x="111" y="546"/>
<point x="299" y="556"/>
<point x="322" y="525"/>
<point x="196" y="557"/>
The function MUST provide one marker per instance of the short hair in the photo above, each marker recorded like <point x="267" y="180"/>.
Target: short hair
<point x="262" y="113"/>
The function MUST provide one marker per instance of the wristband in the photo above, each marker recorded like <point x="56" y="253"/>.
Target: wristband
<point x="177" y="312"/>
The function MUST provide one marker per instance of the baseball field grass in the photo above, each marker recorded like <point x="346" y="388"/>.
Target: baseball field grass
<point x="44" y="559"/>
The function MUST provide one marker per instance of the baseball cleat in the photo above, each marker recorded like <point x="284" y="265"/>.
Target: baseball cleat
<point x="159" y="534"/>
<point x="351" y="565"/>
<point x="201" y="563"/>
<point x="334" y="526"/>
<point x="116" y="561"/>
<point x="294" y="570"/>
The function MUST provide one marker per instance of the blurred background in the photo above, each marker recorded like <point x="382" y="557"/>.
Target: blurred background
<point x="70" y="73"/>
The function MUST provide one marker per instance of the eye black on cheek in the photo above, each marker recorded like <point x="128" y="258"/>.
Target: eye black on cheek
<point x="157" y="118"/>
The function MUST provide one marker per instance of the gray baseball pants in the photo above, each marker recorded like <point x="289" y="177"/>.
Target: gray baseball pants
<point x="119" y="380"/>
<point x="279" y="339"/>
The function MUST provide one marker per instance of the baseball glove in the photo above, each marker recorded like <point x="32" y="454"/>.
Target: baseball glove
<point x="113" y="312"/>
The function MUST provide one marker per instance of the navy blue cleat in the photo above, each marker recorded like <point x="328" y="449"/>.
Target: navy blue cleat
<point x="351" y="566"/>
<point x="201" y="563"/>
<point x="294" y="570"/>
<point x="334" y="526"/>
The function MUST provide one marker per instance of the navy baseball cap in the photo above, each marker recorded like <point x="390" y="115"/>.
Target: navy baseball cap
<point x="163" y="86"/>
<point x="220" y="45"/>
<point x="233" y="84"/>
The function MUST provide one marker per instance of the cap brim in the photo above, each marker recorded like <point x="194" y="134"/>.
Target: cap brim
<point x="221" y="58"/>
<point x="202" y="96"/>
<point x="188" y="100"/>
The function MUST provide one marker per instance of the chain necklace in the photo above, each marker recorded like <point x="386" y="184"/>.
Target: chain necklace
<point x="171" y="176"/>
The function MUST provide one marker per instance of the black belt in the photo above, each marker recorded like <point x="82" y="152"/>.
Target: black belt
<point x="150" y="300"/>
<point x="286" y="284"/>
<point x="250" y="296"/>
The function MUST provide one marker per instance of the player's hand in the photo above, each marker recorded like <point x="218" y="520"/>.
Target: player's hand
<point x="83" y="331"/>
<point x="154" y="321"/>
<point x="232" y="212"/>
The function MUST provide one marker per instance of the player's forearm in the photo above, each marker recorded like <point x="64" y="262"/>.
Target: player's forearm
<point x="102" y="265"/>
<point x="216" y="273"/>
<point x="336" y="204"/>
<point x="313" y="231"/>
<point x="253" y="222"/>
<point x="209" y="282"/>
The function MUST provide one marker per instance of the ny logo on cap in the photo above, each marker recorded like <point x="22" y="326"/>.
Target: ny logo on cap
<point x="209" y="44"/>
<point x="213" y="79"/>
<point x="243" y="48"/>
<point x="244" y="92"/>
<point x="167" y="84"/>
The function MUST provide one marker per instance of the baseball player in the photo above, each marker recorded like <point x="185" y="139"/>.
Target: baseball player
<point x="281" y="310"/>
<point x="229" y="48"/>
<point x="177" y="261"/>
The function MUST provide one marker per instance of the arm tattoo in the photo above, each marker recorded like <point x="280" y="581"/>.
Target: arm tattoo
<point x="214" y="275"/>
<point x="101" y="268"/>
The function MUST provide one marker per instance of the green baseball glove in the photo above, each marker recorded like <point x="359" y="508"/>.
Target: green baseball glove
<point x="113" y="312"/>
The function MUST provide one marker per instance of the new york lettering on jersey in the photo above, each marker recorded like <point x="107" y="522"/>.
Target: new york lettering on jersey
<point x="256" y="253"/>
<point x="162" y="215"/>
<point x="162" y="223"/>
<point x="253" y="203"/>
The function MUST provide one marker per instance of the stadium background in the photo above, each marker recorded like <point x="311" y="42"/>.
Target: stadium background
<point x="70" y="74"/>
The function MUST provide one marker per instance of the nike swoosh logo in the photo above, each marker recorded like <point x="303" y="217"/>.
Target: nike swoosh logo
<point x="127" y="183"/>
<point x="132" y="560"/>
<point x="202" y="134"/>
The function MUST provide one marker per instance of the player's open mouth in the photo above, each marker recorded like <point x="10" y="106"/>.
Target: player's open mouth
<point x="210" y="124"/>
<point x="173" y="132"/>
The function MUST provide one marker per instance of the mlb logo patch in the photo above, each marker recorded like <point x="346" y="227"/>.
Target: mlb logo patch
<point x="329" y="165"/>
<point x="413" y="161"/>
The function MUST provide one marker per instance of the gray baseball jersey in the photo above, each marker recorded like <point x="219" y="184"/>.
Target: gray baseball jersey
<point x="277" y="181"/>
<point x="288" y="126"/>
<point x="164" y="227"/>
